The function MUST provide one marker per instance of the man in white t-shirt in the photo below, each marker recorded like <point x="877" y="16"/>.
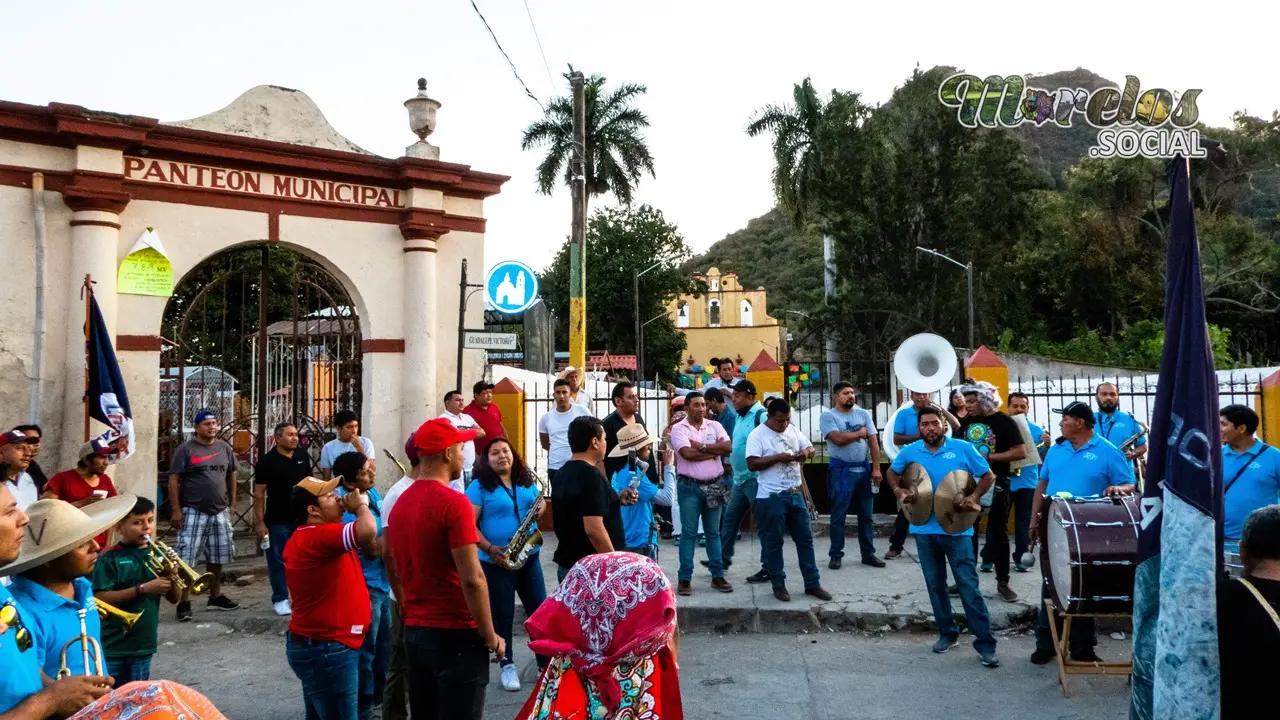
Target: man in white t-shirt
<point x="777" y="450"/>
<point x="553" y="427"/>
<point x="15" y="458"/>
<point x="453" y="404"/>
<point x="348" y="426"/>
<point x="577" y="393"/>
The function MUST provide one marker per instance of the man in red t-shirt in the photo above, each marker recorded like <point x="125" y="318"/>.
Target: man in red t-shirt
<point x="487" y="416"/>
<point x="87" y="483"/>
<point x="330" y="601"/>
<point x="434" y="568"/>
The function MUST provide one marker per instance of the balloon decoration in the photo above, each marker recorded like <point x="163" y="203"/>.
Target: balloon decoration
<point x="802" y="375"/>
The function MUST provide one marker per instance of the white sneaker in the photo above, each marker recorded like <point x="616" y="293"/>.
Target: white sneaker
<point x="510" y="678"/>
<point x="283" y="608"/>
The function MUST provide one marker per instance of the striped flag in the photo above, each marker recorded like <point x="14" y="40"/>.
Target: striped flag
<point x="1175" y="625"/>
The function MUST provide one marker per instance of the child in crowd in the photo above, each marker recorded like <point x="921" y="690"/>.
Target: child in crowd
<point x="638" y="525"/>
<point x="122" y="579"/>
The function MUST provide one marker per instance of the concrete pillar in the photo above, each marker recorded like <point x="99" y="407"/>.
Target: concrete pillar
<point x="986" y="366"/>
<point x="1268" y="409"/>
<point x="95" y="237"/>
<point x="419" y="387"/>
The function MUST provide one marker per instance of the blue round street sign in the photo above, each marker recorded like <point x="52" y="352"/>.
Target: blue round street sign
<point x="511" y="287"/>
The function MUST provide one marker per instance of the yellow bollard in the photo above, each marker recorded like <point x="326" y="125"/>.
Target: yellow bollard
<point x="986" y="366"/>
<point x="509" y="397"/>
<point x="766" y="375"/>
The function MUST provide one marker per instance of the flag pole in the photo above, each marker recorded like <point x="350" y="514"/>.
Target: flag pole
<point x="87" y="291"/>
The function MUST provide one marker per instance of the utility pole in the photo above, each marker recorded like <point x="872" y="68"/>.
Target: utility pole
<point x="578" y="238"/>
<point x="829" y="292"/>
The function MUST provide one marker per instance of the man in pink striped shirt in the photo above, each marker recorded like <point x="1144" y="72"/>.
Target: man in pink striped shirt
<point x="701" y="447"/>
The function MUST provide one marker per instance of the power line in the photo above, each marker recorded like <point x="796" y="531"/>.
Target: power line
<point x="550" y="78"/>
<point x="515" y="72"/>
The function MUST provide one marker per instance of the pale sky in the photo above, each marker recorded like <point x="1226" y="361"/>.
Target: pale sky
<point x="708" y="67"/>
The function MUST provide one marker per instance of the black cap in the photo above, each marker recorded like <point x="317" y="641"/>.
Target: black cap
<point x="481" y="387"/>
<point x="745" y="387"/>
<point x="1079" y="410"/>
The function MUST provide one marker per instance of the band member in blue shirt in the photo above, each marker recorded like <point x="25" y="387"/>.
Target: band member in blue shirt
<point x="1081" y="464"/>
<point x="1022" y="487"/>
<point x="906" y="431"/>
<point x="939" y="455"/>
<point x="1116" y="425"/>
<point x="23" y="694"/>
<point x="1250" y="470"/>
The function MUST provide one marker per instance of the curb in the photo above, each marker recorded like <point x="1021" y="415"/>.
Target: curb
<point x="834" y="617"/>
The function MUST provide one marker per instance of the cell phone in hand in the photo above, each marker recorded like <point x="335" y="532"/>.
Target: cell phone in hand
<point x="631" y="460"/>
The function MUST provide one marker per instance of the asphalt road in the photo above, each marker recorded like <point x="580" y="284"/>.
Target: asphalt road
<point x="747" y="677"/>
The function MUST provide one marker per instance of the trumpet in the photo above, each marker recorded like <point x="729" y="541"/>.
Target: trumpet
<point x="90" y="649"/>
<point x="163" y="562"/>
<point x="126" y="619"/>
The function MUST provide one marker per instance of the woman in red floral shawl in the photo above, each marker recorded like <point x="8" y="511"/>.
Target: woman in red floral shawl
<point x="611" y="630"/>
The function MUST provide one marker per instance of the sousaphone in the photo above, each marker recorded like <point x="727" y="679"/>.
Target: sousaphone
<point x="924" y="363"/>
<point x="957" y="483"/>
<point x="918" y="512"/>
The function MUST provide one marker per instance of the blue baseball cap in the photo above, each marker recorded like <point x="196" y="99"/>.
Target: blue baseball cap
<point x="203" y="415"/>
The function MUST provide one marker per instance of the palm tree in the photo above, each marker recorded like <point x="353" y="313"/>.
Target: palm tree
<point x="796" y="158"/>
<point x="615" y="155"/>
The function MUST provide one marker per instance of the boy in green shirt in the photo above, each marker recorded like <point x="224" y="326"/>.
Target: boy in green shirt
<point x="122" y="579"/>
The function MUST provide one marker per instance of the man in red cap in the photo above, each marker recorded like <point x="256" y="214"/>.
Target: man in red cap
<point x="434" y="567"/>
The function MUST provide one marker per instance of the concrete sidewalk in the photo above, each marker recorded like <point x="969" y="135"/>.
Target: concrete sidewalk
<point x="863" y="598"/>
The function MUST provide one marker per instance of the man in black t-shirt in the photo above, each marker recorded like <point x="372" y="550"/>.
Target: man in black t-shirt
<point x="586" y="510"/>
<point x="273" y="479"/>
<point x="997" y="438"/>
<point x="1249" y="623"/>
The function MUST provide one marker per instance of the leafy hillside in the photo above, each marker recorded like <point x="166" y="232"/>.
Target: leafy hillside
<point x="769" y="252"/>
<point x="1052" y="149"/>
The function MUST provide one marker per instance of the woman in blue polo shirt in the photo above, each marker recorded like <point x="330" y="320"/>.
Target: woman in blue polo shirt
<point x="502" y="494"/>
<point x="21" y="688"/>
<point x="1250" y="470"/>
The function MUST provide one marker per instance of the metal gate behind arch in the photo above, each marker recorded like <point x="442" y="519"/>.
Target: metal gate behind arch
<point x="261" y="335"/>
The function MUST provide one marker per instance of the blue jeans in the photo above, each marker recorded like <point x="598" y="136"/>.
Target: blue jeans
<point x="741" y="502"/>
<point x="692" y="498"/>
<point x="860" y="500"/>
<point x="504" y="586"/>
<point x="449" y="671"/>
<point x="330" y="676"/>
<point x="278" y="535"/>
<point x="934" y="552"/>
<point x="128" y="669"/>
<point x="375" y="654"/>
<point x="777" y="515"/>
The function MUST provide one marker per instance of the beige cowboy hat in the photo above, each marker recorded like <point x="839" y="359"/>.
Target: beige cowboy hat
<point x="630" y="437"/>
<point x="565" y="373"/>
<point x="56" y="527"/>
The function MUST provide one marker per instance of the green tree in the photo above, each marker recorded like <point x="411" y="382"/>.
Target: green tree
<point x="621" y="241"/>
<point x="616" y="154"/>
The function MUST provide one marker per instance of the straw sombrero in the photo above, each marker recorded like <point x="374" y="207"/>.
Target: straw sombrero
<point x="630" y="437"/>
<point x="57" y="527"/>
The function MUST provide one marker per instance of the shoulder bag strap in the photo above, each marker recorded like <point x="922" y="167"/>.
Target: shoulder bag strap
<point x="1262" y="601"/>
<point x="1248" y="461"/>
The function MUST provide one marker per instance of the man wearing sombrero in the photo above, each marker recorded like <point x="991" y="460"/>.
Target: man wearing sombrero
<point x="577" y="392"/>
<point x="50" y="575"/>
<point x="24" y="545"/>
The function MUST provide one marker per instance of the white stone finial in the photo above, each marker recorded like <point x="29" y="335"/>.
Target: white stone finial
<point x="422" y="121"/>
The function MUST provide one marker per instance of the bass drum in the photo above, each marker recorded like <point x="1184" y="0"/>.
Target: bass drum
<point x="1090" y="554"/>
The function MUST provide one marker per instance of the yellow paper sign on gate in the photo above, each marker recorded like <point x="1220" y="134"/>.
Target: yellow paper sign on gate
<point x="145" y="272"/>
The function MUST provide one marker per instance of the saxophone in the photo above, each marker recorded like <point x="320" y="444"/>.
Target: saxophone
<point x="524" y="541"/>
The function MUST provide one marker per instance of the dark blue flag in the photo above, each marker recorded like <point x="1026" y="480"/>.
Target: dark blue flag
<point x="108" y="400"/>
<point x="1175" y="625"/>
